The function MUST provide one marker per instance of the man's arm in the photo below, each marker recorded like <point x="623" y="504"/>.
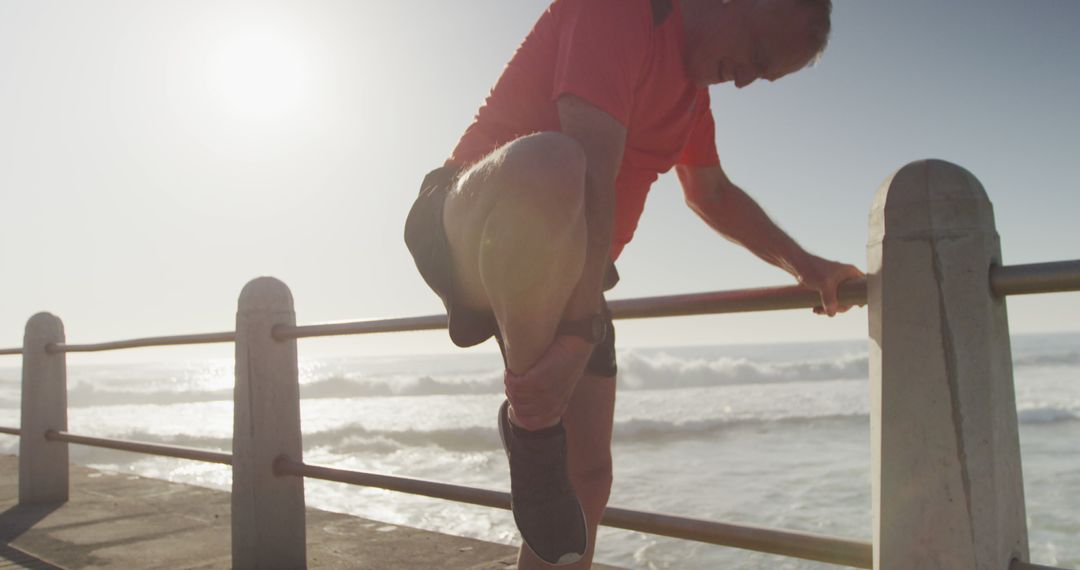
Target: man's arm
<point x="736" y="216"/>
<point x="603" y="139"/>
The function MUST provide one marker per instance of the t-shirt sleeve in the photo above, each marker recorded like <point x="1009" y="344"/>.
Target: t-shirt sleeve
<point x="603" y="46"/>
<point x="700" y="148"/>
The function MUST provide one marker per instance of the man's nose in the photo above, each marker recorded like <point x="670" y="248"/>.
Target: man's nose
<point x="745" y="75"/>
<point x="744" y="80"/>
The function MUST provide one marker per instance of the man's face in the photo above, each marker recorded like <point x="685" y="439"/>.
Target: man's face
<point x="751" y="41"/>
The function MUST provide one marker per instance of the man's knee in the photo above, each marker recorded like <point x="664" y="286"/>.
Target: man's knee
<point x="550" y="163"/>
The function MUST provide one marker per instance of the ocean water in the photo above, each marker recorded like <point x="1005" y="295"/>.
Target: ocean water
<point x="771" y="435"/>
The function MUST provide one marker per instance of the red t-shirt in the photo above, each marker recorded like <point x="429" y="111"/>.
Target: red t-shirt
<point x="609" y="53"/>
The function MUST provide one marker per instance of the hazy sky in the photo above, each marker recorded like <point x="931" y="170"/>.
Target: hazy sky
<point x="155" y="156"/>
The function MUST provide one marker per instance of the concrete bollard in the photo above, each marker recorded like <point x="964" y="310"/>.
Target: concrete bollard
<point x="267" y="511"/>
<point x="947" y="485"/>
<point x="43" y="464"/>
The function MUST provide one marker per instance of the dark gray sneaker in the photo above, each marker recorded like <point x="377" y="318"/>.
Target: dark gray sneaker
<point x="546" y="510"/>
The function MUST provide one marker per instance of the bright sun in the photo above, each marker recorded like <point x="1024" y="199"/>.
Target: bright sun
<point x="261" y="74"/>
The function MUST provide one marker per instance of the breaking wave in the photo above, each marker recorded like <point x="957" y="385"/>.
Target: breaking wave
<point x="1069" y="358"/>
<point x="354" y="439"/>
<point x="660" y="371"/>
<point x="640" y="369"/>
<point x="85" y="394"/>
<point x="1047" y="415"/>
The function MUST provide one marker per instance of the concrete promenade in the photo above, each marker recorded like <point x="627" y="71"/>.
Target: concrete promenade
<point x="118" y="520"/>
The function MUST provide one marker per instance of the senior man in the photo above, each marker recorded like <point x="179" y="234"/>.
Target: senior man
<point x="517" y="232"/>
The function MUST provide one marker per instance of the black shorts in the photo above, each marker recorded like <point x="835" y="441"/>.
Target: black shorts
<point x="426" y="240"/>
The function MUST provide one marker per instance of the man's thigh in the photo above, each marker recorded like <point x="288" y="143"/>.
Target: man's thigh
<point x="511" y="177"/>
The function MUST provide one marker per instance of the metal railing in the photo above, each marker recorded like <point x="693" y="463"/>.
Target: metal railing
<point x="807" y="546"/>
<point x="783" y="542"/>
<point x="258" y="335"/>
<point x="1027" y="279"/>
<point x="206" y="338"/>
<point x="1033" y="278"/>
<point x="176" y="451"/>
<point x="1006" y="280"/>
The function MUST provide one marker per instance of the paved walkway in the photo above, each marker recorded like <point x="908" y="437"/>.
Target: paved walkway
<point x="116" y="520"/>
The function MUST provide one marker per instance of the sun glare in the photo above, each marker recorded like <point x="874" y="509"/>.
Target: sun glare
<point x="261" y="74"/>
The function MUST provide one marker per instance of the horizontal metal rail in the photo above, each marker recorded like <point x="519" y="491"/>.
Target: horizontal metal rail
<point x="783" y="542"/>
<point x="794" y="544"/>
<point x="142" y="447"/>
<point x="808" y="546"/>
<point x="427" y="323"/>
<point x="738" y="301"/>
<point x="851" y="292"/>
<point x="472" y="495"/>
<point x="207" y="338"/>
<point x="1050" y="277"/>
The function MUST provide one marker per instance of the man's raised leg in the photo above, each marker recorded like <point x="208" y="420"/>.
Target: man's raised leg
<point x="516" y="227"/>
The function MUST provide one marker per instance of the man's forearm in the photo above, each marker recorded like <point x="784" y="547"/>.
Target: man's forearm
<point x="602" y="139"/>
<point x="736" y="216"/>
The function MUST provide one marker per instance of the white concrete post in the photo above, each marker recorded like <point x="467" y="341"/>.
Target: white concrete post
<point x="947" y="487"/>
<point x="267" y="511"/>
<point x="43" y="464"/>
